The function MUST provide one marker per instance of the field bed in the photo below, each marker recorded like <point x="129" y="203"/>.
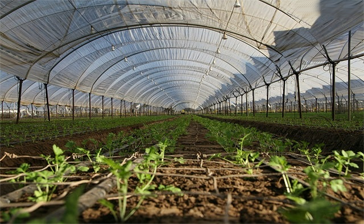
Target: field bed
<point x="211" y="189"/>
<point x="334" y="139"/>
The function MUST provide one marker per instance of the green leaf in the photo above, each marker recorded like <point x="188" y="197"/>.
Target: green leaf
<point x="337" y="185"/>
<point x="316" y="211"/>
<point x="110" y="206"/>
<point x="344" y="153"/>
<point x="354" y="165"/>
<point x="57" y="151"/>
<point x="83" y="168"/>
<point x="71" y="212"/>
<point x="296" y="199"/>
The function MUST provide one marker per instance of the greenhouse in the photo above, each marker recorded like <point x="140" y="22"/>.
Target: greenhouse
<point x="183" y="111"/>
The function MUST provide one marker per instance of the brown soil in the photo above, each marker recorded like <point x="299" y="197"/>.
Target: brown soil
<point x="206" y="187"/>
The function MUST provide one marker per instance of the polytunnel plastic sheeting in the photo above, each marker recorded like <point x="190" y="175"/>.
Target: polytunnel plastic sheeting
<point x="68" y="44"/>
<point x="112" y="63"/>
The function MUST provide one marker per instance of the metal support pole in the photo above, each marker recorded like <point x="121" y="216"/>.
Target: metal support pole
<point x="241" y="104"/>
<point x="253" y="103"/>
<point x="229" y="108"/>
<point x="298" y="94"/>
<point x="316" y="105"/>
<point x="2" y="110"/>
<point x="47" y="100"/>
<point x="266" y="113"/>
<point x="349" y="78"/>
<point x="112" y="108"/>
<point x="31" y="106"/>
<point x="121" y="109"/>
<point x="73" y="104"/>
<point x="333" y="92"/>
<point x="298" y="90"/>
<point x="89" y="105"/>
<point x="124" y="109"/>
<point x="19" y="99"/>
<point x="283" y="97"/>
<point x="333" y="85"/>
<point x="131" y="110"/>
<point x="246" y="102"/>
<point x="102" y="107"/>
<point x="236" y="105"/>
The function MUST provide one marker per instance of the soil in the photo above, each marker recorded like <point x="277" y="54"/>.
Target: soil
<point x="214" y="191"/>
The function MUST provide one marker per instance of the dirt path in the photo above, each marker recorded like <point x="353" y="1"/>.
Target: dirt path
<point x="206" y="186"/>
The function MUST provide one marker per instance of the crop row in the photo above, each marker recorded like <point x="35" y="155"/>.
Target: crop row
<point x="322" y="120"/>
<point x="59" y="168"/>
<point x="239" y="140"/>
<point x="37" y="131"/>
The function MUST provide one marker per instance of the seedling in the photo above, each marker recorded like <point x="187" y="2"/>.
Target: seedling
<point x="43" y="179"/>
<point x="280" y="163"/>
<point x="344" y="160"/>
<point x="316" y="211"/>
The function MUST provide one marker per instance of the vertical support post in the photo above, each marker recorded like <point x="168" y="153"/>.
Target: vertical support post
<point x="112" y="108"/>
<point x="333" y="88"/>
<point x="89" y="105"/>
<point x="47" y="100"/>
<point x="31" y="106"/>
<point x="246" y="102"/>
<point x="349" y="78"/>
<point x="266" y="112"/>
<point x="236" y="105"/>
<point x="229" y="108"/>
<point x="2" y="110"/>
<point x="241" y="104"/>
<point x="73" y="104"/>
<point x="19" y="99"/>
<point x="298" y="89"/>
<point x="298" y="94"/>
<point x="121" y="109"/>
<point x="124" y="109"/>
<point x="102" y="107"/>
<point x="316" y="105"/>
<point x="283" y="97"/>
<point x="253" y="102"/>
<point x="354" y="103"/>
<point x="131" y="110"/>
<point x="333" y="85"/>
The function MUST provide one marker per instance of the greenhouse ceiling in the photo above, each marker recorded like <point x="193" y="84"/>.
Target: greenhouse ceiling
<point x="178" y="53"/>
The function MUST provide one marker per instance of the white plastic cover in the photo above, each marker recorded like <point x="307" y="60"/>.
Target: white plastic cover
<point x="171" y="53"/>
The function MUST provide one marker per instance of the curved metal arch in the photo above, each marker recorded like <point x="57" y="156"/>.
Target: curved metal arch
<point x="186" y="102"/>
<point x="156" y="96"/>
<point x="59" y="91"/>
<point x="120" y="78"/>
<point x="13" y="10"/>
<point x="142" y="80"/>
<point x="156" y="92"/>
<point x="137" y="26"/>
<point x="9" y="89"/>
<point x="155" y="49"/>
<point x="30" y="88"/>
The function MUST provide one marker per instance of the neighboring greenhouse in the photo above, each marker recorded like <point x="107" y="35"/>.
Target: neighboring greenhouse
<point x="139" y="64"/>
